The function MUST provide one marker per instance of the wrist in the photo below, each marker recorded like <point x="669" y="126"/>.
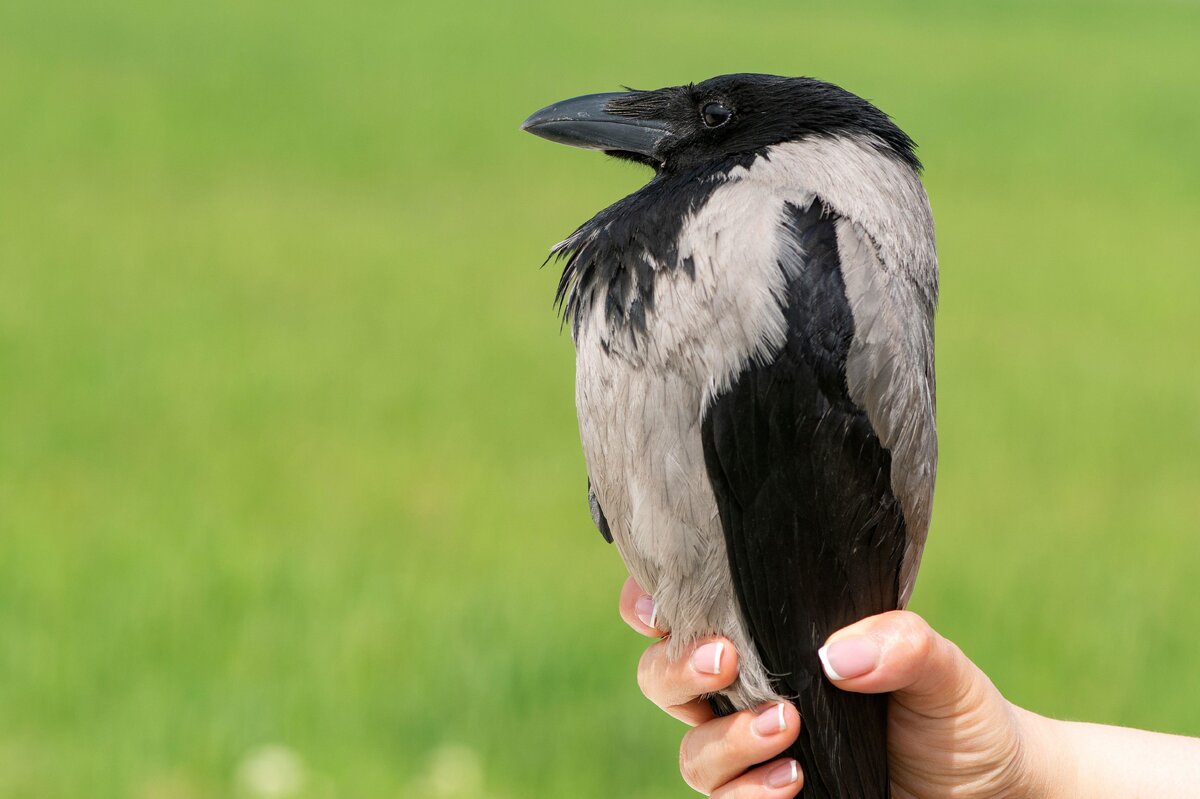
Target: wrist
<point x="1049" y="764"/>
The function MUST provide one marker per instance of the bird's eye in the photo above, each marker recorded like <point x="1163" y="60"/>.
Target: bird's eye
<point x="715" y="115"/>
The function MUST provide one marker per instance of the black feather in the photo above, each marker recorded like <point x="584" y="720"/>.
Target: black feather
<point x="605" y="253"/>
<point x="814" y="534"/>
<point x="598" y="514"/>
<point x="766" y="110"/>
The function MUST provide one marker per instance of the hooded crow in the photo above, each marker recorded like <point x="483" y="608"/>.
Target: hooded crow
<point x="755" y="380"/>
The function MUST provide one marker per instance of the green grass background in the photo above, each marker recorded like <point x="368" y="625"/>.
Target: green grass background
<point x="287" y="442"/>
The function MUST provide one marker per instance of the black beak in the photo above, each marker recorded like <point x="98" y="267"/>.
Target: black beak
<point x="585" y="122"/>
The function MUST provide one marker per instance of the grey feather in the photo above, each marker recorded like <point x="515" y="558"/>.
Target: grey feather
<point x="890" y="374"/>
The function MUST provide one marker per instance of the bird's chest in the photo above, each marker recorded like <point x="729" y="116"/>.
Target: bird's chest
<point x="640" y="429"/>
<point x="639" y="422"/>
<point x="641" y="392"/>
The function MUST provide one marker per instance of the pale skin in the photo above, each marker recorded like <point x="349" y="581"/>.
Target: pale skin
<point x="951" y="734"/>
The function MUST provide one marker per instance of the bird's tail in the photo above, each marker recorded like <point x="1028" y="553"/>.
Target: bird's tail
<point x="842" y="748"/>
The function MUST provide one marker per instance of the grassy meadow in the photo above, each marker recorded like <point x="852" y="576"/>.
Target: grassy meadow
<point x="291" y="497"/>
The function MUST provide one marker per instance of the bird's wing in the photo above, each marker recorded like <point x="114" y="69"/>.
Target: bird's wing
<point x="890" y="375"/>
<point x="815" y="533"/>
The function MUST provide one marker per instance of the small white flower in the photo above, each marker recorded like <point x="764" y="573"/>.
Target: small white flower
<point x="271" y="772"/>
<point x="454" y="771"/>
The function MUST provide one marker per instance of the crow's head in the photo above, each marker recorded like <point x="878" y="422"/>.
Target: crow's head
<point x="683" y="127"/>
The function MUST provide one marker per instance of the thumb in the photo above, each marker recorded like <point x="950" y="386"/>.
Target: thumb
<point x="901" y="653"/>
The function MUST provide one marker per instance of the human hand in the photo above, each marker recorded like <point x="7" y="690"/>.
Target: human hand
<point x="950" y="732"/>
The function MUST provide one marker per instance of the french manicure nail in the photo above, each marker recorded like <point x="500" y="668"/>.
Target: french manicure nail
<point x="783" y="775"/>
<point x="646" y="610"/>
<point x="771" y="721"/>
<point x="849" y="657"/>
<point x="707" y="659"/>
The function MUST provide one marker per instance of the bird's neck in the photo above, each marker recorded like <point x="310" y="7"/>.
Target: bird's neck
<point x="624" y="247"/>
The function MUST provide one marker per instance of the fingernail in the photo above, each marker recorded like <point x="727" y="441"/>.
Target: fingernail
<point x="849" y="657"/>
<point x="646" y="610"/>
<point x="707" y="659"/>
<point x="771" y="721"/>
<point x="783" y="775"/>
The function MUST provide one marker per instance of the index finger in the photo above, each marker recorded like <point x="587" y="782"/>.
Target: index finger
<point x="635" y="604"/>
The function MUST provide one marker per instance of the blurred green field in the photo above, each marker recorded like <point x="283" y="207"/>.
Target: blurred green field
<point x="287" y="443"/>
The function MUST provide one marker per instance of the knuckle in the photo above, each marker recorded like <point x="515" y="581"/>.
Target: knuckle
<point x="690" y="766"/>
<point x="649" y="672"/>
<point x="919" y="636"/>
<point x="643" y="674"/>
